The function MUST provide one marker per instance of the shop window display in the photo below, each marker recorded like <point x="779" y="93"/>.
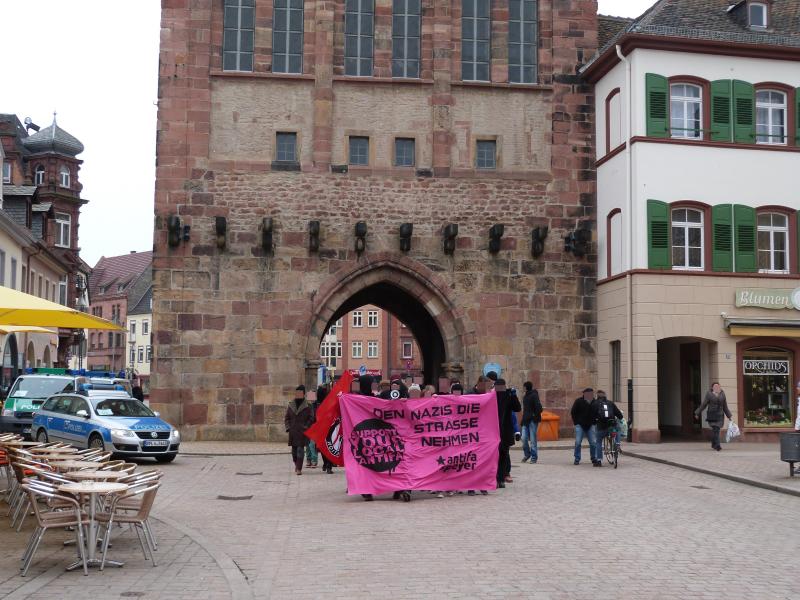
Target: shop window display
<point x="767" y="388"/>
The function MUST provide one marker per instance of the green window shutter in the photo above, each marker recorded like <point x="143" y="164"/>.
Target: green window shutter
<point x="657" y="92"/>
<point x="797" y="237"/>
<point x="658" y="246"/>
<point x="722" y="238"/>
<point x="744" y="111"/>
<point x="721" y="110"/>
<point x="744" y="218"/>
<point x="797" y="120"/>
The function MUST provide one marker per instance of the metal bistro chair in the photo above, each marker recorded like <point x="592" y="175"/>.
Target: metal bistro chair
<point x="22" y="469"/>
<point x="54" y="519"/>
<point x="138" y="520"/>
<point x="47" y="478"/>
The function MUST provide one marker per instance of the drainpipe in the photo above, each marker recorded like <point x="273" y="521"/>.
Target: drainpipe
<point x="631" y="229"/>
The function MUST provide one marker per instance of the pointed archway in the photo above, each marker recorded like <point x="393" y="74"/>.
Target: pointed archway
<point x="410" y="291"/>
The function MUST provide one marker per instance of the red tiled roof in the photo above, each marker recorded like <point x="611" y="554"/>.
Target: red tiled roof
<point x="117" y="269"/>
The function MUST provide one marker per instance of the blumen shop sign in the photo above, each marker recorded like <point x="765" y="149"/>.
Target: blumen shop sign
<point x="777" y="299"/>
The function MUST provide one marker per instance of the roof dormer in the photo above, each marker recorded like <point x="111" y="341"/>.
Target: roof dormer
<point x="758" y="14"/>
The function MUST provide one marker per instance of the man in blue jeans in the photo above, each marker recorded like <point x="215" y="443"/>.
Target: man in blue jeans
<point x="583" y="419"/>
<point x="531" y="417"/>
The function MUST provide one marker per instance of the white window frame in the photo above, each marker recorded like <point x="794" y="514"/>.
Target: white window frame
<point x="132" y="328"/>
<point x="132" y="356"/>
<point x="13" y="273"/>
<point x="372" y="318"/>
<point x="148" y="354"/>
<point x="358" y="318"/>
<point x="686" y="226"/>
<point x="38" y="175"/>
<point x="64" y="176"/>
<point x="357" y="349"/>
<point x="62" y="290"/>
<point x="410" y="353"/>
<point x="140" y="354"/>
<point x="764" y="15"/>
<point x="775" y="133"/>
<point x="772" y="230"/>
<point x="63" y="230"/>
<point x="685" y="132"/>
<point x="6" y="171"/>
<point x="145" y="327"/>
<point x="2" y="267"/>
<point x="372" y="349"/>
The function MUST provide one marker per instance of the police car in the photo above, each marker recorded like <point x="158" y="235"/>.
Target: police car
<point x="106" y="419"/>
<point x="35" y="385"/>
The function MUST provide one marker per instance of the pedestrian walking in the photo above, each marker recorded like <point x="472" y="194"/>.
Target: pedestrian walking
<point x="583" y="419"/>
<point x="507" y="403"/>
<point x="299" y="417"/>
<point x="717" y="411"/>
<point x="531" y="417"/>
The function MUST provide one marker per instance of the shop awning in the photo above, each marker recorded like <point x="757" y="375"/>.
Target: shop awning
<point x="20" y="309"/>
<point x="762" y="327"/>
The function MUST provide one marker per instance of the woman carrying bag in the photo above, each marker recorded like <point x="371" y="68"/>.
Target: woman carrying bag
<point x="717" y="411"/>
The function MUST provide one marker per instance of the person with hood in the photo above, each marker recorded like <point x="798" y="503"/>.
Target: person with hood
<point x="583" y="419"/>
<point x="531" y="417"/>
<point x="507" y="403"/>
<point x="717" y="411"/>
<point x="299" y="417"/>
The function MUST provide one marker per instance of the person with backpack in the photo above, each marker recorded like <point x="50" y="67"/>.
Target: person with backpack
<point x="583" y="419"/>
<point x="531" y="417"/>
<point x="606" y="414"/>
<point x="717" y="411"/>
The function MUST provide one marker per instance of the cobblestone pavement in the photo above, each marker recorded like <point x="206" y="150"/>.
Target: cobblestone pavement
<point x="560" y="531"/>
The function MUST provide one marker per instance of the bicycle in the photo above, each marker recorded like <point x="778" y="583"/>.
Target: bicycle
<point x="611" y="448"/>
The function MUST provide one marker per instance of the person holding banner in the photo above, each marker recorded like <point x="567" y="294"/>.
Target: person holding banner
<point x="299" y="417"/>
<point x="507" y="403"/>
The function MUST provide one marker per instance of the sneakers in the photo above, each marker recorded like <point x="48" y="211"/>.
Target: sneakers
<point x="525" y="460"/>
<point x="472" y="492"/>
<point x="597" y="464"/>
<point x="483" y="493"/>
<point x="577" y="462"/>
<point x="500" y="484"/>
<point x="440" y="495"/>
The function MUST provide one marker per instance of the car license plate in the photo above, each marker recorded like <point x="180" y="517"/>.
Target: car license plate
<point x="152" y="444"/>
<point x="26" y="430"/>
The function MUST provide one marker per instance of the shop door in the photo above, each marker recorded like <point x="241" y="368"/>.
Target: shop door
<point x="691" y="388"/>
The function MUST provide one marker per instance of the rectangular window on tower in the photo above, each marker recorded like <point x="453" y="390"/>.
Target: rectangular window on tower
<point x="63" y="230"/>
<point x="287" y="37"/>
<point x="407" y="350"/>
<point x="237" y="36"/>
<point x="359" y="16"/>
<point x="475" y="37"/>
<point x="405" y="38"/>
<point x="523" y="30"/>
<point x="62" y="290"/>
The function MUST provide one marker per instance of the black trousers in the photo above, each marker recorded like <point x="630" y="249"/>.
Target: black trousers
<point x="298" y="455"/>
<point x="715" y="437"/>
<point x="325" y="462"/>
<point x="503" y="463"/>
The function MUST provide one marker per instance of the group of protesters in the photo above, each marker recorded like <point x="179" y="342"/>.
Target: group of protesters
<point x="587" y="415"/>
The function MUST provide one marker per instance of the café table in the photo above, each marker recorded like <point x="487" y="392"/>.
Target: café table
<point x="74" y="465"/>
<point x="92" y="489"/>
<point x="95" y="475"/>
<point x="52" y="450"/>
<point x="20" y="444"/>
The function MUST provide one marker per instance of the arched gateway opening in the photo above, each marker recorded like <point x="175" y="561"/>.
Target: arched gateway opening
<point x="408" y="291"/>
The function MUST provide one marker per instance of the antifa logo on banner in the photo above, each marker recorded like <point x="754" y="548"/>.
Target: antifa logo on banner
<point x="394" y="394"/>
<point x="376" y="445"/>
<point x="333" y="439"/>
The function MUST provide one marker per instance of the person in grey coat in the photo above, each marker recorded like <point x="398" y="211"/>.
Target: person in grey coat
<point x="717" y="411"/>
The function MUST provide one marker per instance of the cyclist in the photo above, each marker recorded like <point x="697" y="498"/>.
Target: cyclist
<point x="605" y="414"/>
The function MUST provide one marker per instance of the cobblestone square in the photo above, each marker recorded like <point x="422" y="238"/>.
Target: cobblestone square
<point x="559" y="531"/>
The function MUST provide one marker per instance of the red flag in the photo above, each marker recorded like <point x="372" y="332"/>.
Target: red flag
<point x="326" y="432"/>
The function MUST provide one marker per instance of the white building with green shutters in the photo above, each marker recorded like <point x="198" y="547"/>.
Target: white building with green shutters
<point x="698" y="209"/>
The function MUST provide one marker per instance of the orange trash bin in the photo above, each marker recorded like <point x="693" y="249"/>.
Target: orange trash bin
<point x="548" y="428"/>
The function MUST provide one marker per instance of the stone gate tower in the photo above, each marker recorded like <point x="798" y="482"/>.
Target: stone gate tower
<point x="318" y="155"/>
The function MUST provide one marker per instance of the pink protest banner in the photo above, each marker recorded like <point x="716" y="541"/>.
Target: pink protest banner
<point x="441" y="443"/>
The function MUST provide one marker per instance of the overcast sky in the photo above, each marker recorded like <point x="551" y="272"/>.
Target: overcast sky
<point x="100" y="72"/>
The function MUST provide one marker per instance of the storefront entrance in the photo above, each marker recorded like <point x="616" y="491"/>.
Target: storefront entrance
<point x="767" y="387"/>
<point x="683" y="377"/>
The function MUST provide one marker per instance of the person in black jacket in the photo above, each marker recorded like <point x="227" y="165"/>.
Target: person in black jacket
<point x="717" y="411"/>
<point x="606" y="414"/>
<point x="531" y="417"/>
<point x="583" y="419"/>
<point x="507" y="403"/>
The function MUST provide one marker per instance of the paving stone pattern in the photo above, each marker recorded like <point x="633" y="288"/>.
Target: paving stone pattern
<point x="558" y="532"/>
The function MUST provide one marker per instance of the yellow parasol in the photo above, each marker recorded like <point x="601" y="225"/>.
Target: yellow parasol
<point x="6" y="329"/>
<point x="20" y="309"/>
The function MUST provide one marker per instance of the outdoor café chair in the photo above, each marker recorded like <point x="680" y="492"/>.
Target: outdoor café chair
<point x="58" y="519"/>
<point x="138" y="520"/>
<point x="46" y="485"/>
